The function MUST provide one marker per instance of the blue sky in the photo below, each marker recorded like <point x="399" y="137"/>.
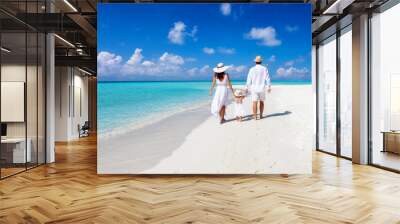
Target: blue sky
<point x="147" y="42"/>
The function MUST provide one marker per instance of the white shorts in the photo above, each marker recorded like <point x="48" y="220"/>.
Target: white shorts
<point x="257" y="96"/>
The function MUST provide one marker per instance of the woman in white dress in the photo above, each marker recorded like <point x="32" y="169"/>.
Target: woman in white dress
<point x="221" y="83"/>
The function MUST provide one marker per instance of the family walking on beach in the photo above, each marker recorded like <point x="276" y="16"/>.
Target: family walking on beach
<point x="257" y="79"/>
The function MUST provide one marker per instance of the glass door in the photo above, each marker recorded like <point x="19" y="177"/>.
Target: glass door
<point x="327" y="95"/>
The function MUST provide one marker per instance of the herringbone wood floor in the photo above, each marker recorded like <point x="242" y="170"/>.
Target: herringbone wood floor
<point x="69" y="191"/>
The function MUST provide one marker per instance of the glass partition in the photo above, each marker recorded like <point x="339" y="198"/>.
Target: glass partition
<point x="385" y="89"/>
<point x="346" y="92"/>
<point x="31" y="99"/>
<point x="327" y="95"/>
<point x="22" y="77"/>
<point x="14" y="153"/>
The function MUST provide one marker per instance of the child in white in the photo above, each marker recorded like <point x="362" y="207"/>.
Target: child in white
<point x="239" y="110"/>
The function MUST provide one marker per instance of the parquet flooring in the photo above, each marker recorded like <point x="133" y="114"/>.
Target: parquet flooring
<point x="70" y="191"/>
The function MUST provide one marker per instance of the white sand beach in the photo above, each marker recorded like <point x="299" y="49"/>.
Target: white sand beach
<point x="194" y="142"/>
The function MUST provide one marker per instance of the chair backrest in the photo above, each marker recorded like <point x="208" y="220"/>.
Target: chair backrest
<point x="86" y="125"/>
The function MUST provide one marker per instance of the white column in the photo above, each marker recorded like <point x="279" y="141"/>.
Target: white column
<point x="50" y="92"/>
<point x="360" y="90"/>
<point x="50" y="99"/>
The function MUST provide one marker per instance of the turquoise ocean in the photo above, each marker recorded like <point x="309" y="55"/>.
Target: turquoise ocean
<point x="126" y="105"/>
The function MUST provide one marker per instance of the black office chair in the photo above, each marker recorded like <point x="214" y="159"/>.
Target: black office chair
<point x="84" y="130"/>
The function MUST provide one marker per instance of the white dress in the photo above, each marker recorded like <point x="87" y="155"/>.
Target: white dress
<point x="239" y="110"/>
<point x="220" y="97"/>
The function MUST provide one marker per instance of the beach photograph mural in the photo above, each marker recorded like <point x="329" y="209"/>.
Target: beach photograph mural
<point x="204" y="89"/>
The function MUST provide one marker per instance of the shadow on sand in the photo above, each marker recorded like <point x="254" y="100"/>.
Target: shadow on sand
<point x="250" y="116"/>
<point x="278" y="114"/>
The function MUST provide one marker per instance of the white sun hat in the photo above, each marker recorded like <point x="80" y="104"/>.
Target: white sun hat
<point x="258" y="58"/>
<point x="220" y="68"/>
<point x="239" y="92"/>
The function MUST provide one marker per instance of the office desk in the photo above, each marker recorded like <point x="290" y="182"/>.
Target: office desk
<point x="391" y="141"/>
<point x="15" y="148"/>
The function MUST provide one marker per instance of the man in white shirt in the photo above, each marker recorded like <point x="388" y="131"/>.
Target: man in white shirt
<point x="257" y="79"/>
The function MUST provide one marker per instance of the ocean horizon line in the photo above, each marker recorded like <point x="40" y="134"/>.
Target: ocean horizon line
<point x="165" y="81"/>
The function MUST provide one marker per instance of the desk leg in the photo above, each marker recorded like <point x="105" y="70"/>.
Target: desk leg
<point x="384" y="143"/>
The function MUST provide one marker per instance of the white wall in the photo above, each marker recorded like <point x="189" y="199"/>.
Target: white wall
<point x="62" y="82"/>
<point x="79" y="117"/>
<point x="17" y="73"/>
<point x="13" y="101"/>
<point x="13" y="72"/>
<point x="70" y="83"/>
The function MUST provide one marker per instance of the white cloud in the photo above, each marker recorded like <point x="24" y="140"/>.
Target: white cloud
<point x="166" y="64"/>
<point x="225" y="9"/>
<point x="193" y="33"/>
<point x="206" y="69"/>
<point x="177" y="33"/>
<point x="208" y="50"/>
<point x="108" y="63"/>
<point x="192" y="71"/>
<point x="223" y="50"/>
<point x="291" y="72"/>
<point x="266" y="35"/>
<point x="136" y="57"/>
<point x="237" y="69"/>
<point x="291" y="28"/>
<point x="148" y="63"/>
<point x="106" y="58"/>
<point x="172" y="58"/>
<point x="234" y="71"/>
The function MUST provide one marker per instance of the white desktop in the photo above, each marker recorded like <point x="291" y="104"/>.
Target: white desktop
<point x="19" y="154"/>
